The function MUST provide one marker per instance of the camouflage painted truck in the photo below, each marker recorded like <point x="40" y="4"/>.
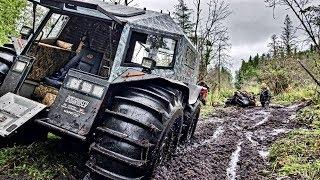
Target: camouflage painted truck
<point x="119" y="78"/>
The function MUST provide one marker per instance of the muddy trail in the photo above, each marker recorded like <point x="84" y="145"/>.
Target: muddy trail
<point x="231" y="144"/>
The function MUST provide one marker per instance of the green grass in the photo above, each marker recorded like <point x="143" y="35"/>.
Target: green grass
<point x="294" y="95"/>
<point x="41" y="160"/>
<point x="297" y="154"/>
<point x="252" y="89"/>
<point x="215" y="99"/>
<point x="218" y="98"/>
<point x="206" y="111"/>
<point x="310" y="116"/>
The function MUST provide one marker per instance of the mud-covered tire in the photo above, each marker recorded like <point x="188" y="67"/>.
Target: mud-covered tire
<point x="7" y="56"/>
<point x="191" y="117"/>
<point x="140" y="129"/>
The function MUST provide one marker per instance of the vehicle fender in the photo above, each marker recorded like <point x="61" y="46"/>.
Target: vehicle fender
<point x="194" y="93"/>
<point x="131" y="76"/>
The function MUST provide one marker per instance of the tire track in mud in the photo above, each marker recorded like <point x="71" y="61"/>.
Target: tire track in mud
<point x="231" y="145"/>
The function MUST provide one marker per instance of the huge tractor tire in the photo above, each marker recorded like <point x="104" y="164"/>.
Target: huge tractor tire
<point x="141" y="129"/>
<point x="191" y="117"/>
<point x="7" y="56"/>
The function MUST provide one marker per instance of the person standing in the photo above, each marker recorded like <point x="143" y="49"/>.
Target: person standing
<point x="265" y="95"/>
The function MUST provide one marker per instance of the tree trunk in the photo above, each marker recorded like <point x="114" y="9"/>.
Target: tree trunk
<point x="197" y="23"/>
<point x="219" y="69"/>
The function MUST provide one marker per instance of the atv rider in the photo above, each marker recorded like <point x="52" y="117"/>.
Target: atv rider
<point x="265" y="95"/>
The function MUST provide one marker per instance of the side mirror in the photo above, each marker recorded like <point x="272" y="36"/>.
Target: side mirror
<point x="148" y="64"/>
<point x="26" y="32"/>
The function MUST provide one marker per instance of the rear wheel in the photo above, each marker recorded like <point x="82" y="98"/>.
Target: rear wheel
<point x="192" y="113"/>
<point x="141" y="129"/>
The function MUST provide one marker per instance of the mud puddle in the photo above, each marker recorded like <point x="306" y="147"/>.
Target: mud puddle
<point x="232" y="145"/>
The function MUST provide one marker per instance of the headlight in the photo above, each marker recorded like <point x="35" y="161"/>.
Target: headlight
<point x="74" y="83"/>
<point x="19" y="66"/>
<point x="86" y="87"/>
<point x="98" y="91"/>
<point x="148" y="63"/>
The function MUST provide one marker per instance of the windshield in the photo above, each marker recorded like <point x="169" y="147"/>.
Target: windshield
<point x="157" y="47"/>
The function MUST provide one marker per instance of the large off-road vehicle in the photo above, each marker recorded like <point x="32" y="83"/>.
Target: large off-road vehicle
<point x="119" y="78"/>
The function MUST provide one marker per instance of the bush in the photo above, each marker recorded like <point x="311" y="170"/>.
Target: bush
<point x="294" y="95"/>
<point x="9" y="13"/>
<point x="310" y="117"/>
<point x="218" y="99"/>
<point x="277" y="80"/>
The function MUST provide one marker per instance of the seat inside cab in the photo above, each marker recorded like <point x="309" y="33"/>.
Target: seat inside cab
<point x="67" y="42"/>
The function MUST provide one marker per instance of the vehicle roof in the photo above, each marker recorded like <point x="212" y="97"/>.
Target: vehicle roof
<point x="120" y="13"/>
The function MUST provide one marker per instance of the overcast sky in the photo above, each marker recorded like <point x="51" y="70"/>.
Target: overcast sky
<point x="251" y="25"/>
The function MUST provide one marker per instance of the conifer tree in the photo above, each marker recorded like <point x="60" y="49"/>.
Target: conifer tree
<point x="182" y="16"/>
<point x="288" y="36"/>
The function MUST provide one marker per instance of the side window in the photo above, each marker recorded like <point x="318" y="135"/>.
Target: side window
<point x="191" y="58"/>
<point x="157" y="47"/>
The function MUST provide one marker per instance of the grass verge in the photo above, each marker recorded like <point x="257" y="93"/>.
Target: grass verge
<point x="42" y="160"/>
<point x="297" y="155"/>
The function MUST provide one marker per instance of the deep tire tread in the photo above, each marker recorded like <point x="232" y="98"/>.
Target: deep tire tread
<point x="138" y="109"/>
<point x="144" y="106"/>
<point x="152" y="94"/>
<point x="118" y="157"/>
<point x="105" y="173"/>
<point x="124" y="137"/>
<point x="127" y="119"/>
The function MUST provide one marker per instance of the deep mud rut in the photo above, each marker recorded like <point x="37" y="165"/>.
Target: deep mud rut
<point x="231" y="144"/>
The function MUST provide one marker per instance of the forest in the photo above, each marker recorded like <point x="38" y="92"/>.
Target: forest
<point x="284" y="139"/>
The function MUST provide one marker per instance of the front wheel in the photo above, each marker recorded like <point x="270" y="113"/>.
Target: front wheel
<point x="140" y="130"/>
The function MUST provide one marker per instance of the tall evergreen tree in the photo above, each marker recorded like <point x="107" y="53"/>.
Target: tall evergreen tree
<point x="288" y="36"/>
<point x="274" y="46"/>
<point x="250" y="61"/>
<point x="256" y="60"/>
<point x="182" y="16"/>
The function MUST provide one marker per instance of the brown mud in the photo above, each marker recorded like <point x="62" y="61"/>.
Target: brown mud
<point x="231" y="144"/>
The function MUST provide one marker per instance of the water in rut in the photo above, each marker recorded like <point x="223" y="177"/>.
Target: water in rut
<point x="232" y="144"/>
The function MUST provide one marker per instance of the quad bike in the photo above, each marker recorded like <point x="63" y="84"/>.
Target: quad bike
<point x="119" y="78"/>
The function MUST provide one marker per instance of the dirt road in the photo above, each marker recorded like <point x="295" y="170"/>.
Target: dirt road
<point x="231" y="144"/>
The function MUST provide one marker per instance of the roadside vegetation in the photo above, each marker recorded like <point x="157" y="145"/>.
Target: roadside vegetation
<point x="297" y="154"/>
<point x="43" y="160"/>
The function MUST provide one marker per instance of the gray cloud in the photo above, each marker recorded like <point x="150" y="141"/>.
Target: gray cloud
<point x="251" y="25"/>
